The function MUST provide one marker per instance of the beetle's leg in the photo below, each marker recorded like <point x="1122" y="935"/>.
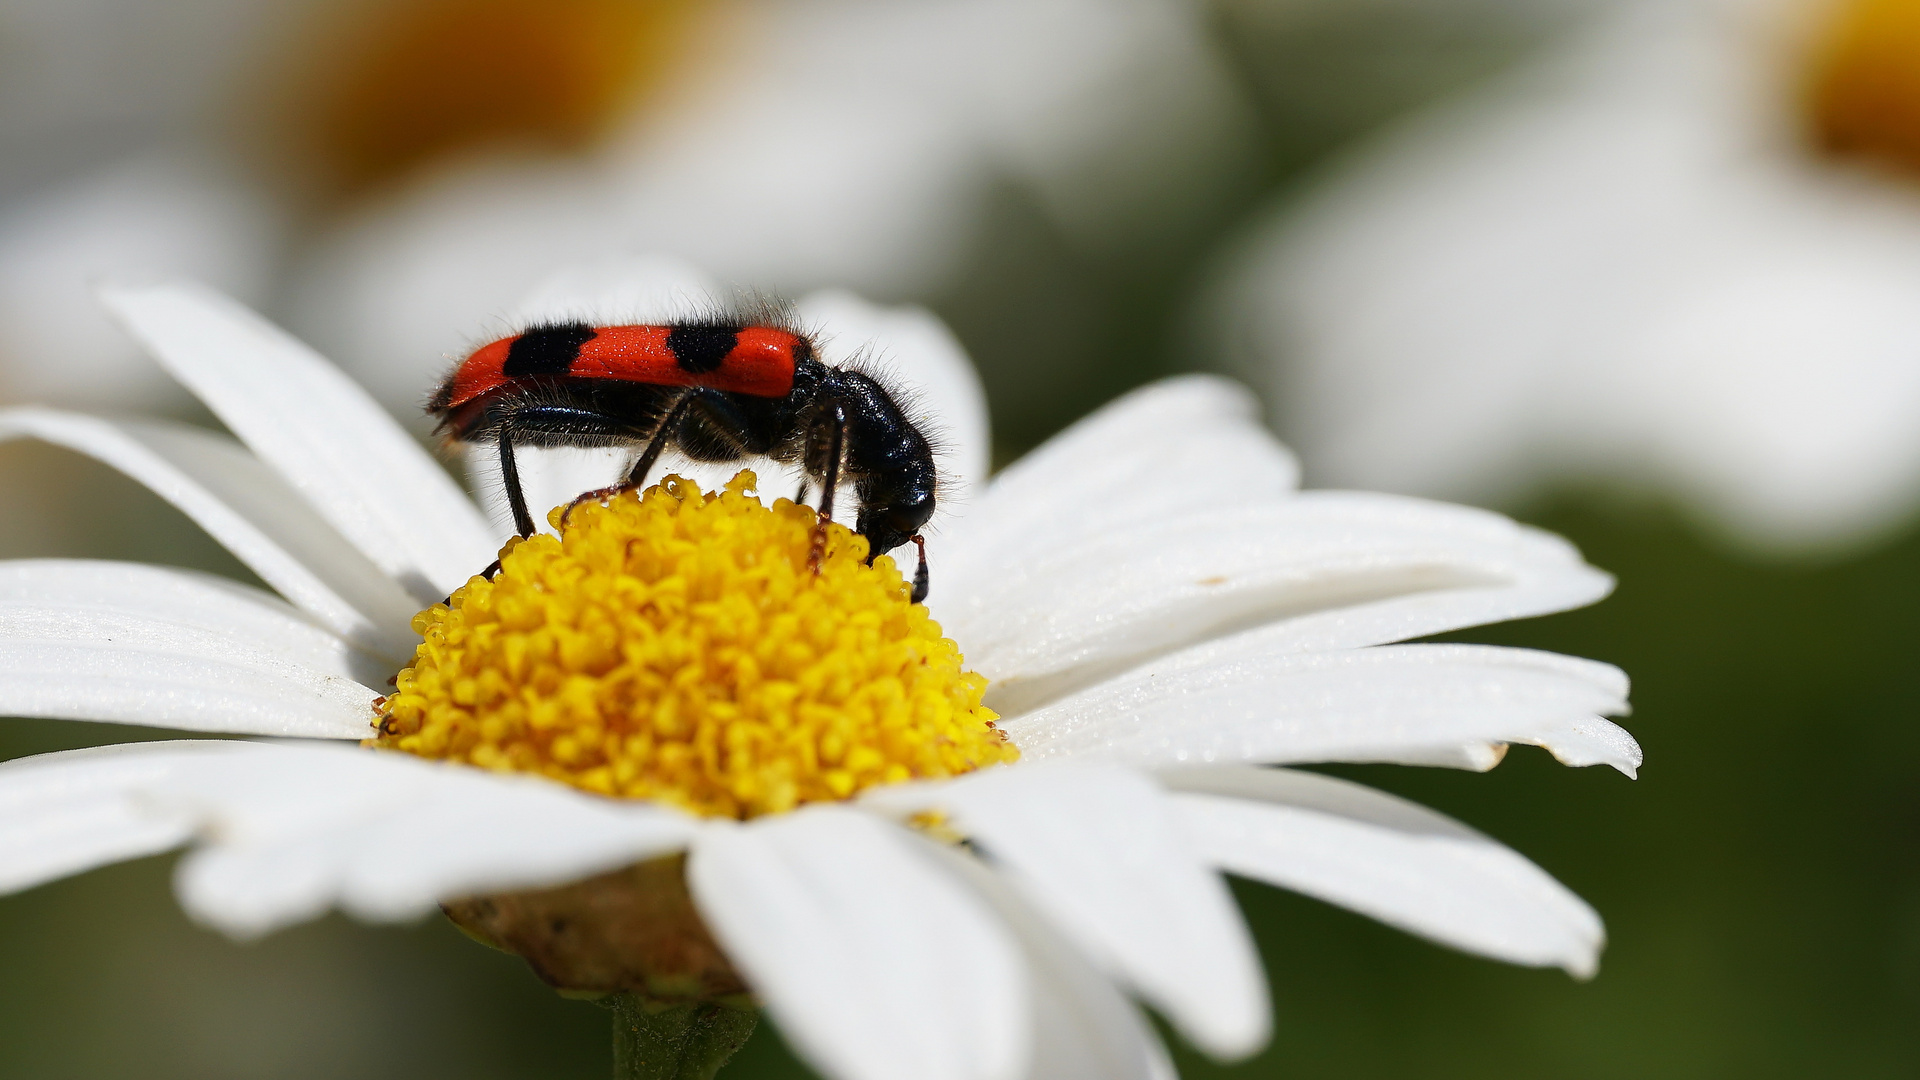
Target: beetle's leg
<point x="510" y="477"/>
<point x="713" y="403"/>
<point x="721" y="415"/>
<point x="836" y="446"/>
<point x="655" y="446"/>
<point x="658" y="444"/>
<point x="516" y="499"/>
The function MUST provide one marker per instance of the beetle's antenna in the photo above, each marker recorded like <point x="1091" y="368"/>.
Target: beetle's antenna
<point x="920" y="571"/>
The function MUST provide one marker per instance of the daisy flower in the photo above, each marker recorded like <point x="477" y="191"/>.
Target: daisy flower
<point x="1678" y="251"/>
<point x="662" y="761"/>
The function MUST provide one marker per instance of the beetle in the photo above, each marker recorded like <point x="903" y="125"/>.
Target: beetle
<point x="717" y="389"/>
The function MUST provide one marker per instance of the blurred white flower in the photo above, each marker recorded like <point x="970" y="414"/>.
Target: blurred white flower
<point x="1654" y="256"/>
<point x="849" y="143"/>
<point x="1158" y="608"/>
<point x="80" y="80"/>
<point x="107" y="168"/>
<point x="163" y="215"/>
<point x="787" y="144"/>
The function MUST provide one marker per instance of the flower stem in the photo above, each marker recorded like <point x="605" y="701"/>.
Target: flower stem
<point x="656" y="1041"/>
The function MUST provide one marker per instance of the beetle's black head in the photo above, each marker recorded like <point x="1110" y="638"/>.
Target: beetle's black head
<point x="889" y="524"/>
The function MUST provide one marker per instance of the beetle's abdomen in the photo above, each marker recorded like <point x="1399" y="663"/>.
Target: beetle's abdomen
<point x="757" y="361"/>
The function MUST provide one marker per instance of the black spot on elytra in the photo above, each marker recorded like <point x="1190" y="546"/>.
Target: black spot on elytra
<point x="549" y="350"/>
<point x="701" y="349"/>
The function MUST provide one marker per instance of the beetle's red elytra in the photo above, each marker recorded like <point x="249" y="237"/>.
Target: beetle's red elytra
<point x="757" y="361"/>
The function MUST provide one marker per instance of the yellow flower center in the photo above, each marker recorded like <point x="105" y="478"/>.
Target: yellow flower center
<point x="677" y="646"/>
<point x="1864" y="97"/>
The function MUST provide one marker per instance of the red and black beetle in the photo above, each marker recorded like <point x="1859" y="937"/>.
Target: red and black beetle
<point x="715" y="390"/>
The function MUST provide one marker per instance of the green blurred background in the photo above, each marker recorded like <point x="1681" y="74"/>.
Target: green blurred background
<point x="1759" y="882"/>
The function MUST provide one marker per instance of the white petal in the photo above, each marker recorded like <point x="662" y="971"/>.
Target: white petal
<point x="290" y="830"/>
<point x="64" y="813"/>
<point x="1415" y="704"/>
<point x="1084" y="1028"/>
<point x="1325" y="569"/>
<point x="318" y="429"/>
<point x="875" y="963"/>
<point x="1182" y="444"/>
<point x="250" y="510"/>
<point x="140" y="644"/>
<point x="1388" y="858"/>
<point x="913" y="351"/>
<point x="286" y="831"/>
<point x="1098" y="851"/>
<point x="1528" y="572"/>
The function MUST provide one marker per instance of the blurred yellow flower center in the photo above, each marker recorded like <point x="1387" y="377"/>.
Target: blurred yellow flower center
<point x="677" y="647"/>
<point x="1864" y="97"/>
<point x="367" y="91"/>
